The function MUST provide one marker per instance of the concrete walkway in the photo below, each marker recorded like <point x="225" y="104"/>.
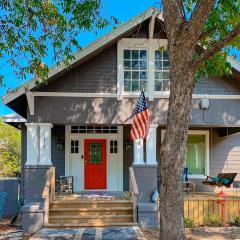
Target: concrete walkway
<point x="111" y="233"/>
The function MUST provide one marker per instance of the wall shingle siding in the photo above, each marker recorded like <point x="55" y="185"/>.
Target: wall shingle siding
<point x="58" y="155"/>
<point x="96" y="75"/>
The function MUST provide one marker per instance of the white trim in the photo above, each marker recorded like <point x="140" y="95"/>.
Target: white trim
<point x="164" y="95"/>
<point x="234" y="63"/>
<point x="109" y="136"/>
<point x="13" y="118"/>
<point x="207" y="152"/>
<point x="30" y="100"/>
<point x="142" y="44"/>
<point x="99" y="43"/>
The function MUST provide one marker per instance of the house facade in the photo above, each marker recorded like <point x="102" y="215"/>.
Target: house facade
<point x="80" y="122"/>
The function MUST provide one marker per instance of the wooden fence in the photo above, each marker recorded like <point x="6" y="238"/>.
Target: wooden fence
<point x="198" y="209"/>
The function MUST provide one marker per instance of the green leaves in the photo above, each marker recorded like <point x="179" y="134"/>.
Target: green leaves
<point x="33" y="30"/>
<point x="10" y="150"/>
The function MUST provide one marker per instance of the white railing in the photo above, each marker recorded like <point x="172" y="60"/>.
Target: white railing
<point x="133" y="188"/>
<point x="49" y="193"/>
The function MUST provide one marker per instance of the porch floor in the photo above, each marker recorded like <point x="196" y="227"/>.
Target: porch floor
<point x="95" y="195"/>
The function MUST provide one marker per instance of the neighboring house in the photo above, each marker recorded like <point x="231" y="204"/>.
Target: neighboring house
<point x="80" y="122"/>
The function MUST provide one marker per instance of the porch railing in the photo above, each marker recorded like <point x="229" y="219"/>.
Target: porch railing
<point x="49" y="193"/>
<point x="133" y="188"/>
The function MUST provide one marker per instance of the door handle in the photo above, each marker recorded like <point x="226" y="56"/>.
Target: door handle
<point x="82" y="156"/>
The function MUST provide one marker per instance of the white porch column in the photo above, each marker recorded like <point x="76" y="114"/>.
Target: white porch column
<point x="32" y="143"/>
<point x="138" y="154"/>
<point x="151" y="146"/>
<point x="45" y="144"/>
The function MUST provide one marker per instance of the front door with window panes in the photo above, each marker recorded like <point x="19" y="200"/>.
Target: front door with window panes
<point x="95" y="164"/>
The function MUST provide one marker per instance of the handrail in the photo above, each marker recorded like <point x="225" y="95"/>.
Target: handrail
<point x="133" y="188"/>
<point x="49" y="193"/>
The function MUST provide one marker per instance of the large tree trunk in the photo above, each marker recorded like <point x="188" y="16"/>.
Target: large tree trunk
<point x="173" y="149"/>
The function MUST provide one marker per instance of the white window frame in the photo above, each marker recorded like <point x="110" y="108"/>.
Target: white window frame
<point x="197" y="132"/>
<point x="138" y="43"/>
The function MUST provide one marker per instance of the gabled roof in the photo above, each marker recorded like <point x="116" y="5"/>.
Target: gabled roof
<point x="99" y="43"/>
<point x="93" y="47"/>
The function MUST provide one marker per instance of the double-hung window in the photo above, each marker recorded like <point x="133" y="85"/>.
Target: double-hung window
<point x="135" y="70"/>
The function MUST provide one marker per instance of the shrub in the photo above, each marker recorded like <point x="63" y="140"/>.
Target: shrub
<point x="213" y="221"/>
<point x="237" y="221"/>
<point x="188" y="223"/>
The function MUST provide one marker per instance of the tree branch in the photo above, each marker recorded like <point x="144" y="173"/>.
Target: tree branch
<point x="217" y="46"/>
<point x="198" y="18"/>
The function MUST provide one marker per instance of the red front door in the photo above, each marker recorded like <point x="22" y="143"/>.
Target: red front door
<point x="95" y="164"/>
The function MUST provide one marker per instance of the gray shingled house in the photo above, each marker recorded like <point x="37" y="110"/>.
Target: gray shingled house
<point x="80" y="124"/>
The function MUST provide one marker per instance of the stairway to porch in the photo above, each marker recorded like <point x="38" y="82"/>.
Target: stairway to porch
<point x="90" y="211"/>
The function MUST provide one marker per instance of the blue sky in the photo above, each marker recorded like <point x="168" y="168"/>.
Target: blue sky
<point x="123" y="10"/>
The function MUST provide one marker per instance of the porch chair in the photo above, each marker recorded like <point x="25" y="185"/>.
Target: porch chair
<point x="222" y="180"/>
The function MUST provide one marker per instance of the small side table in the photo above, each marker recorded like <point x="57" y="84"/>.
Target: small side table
<point x="189" y="186"/>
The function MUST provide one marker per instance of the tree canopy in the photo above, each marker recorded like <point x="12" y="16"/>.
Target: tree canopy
<point x="32" y="30"/>
<point x="10" y="150"/>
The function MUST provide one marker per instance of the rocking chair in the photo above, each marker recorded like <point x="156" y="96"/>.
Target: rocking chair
<point x="223" y="179"/>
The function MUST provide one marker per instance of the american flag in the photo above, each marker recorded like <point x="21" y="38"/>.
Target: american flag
<point x="141" y="120"/>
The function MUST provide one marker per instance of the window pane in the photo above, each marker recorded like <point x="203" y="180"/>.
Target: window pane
<point x="95" y="153"/>
<point x="127" y="75"/>
<point x="165" y="55"/>
<point x="143" y="54"/>
<point x="166" y="75"/>
<point x="158" y="86"/>
<point x="126" y="54"/>
<point x="135" y="86"/>
<point x="127" y="86"/>
<point x="166" y="65"/>
<point x="135" y="65"/>
<point x="127" y="65"/>
<point x="143" y="85"/>
<point x="166" y="85"/>
<point x="135" y="75"/>
<point x="143" y="65"/>
<point x="134" y="54"/>
<point x="158" y="75"/>
<point x="195" y="154"/>
<point x="143" y="75"/>
<point x="158" y="65"/>
<point x="158" y="55"/>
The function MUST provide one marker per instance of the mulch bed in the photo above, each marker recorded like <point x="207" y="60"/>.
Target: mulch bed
<point x="208" y="233"/>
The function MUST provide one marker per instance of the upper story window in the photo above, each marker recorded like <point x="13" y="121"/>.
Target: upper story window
<point x="135" y="67"/>
<point x="142" y="64"/>
<point x="161" y="71"/>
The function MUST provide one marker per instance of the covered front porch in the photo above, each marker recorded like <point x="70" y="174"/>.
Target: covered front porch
<point x="98" y="157"/>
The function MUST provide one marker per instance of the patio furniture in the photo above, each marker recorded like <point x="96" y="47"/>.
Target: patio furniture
<point x="222" y="180"/>
<point x="189" y="186"/>
<point x="65" y="184"/>
<point x="3" y="195"/>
